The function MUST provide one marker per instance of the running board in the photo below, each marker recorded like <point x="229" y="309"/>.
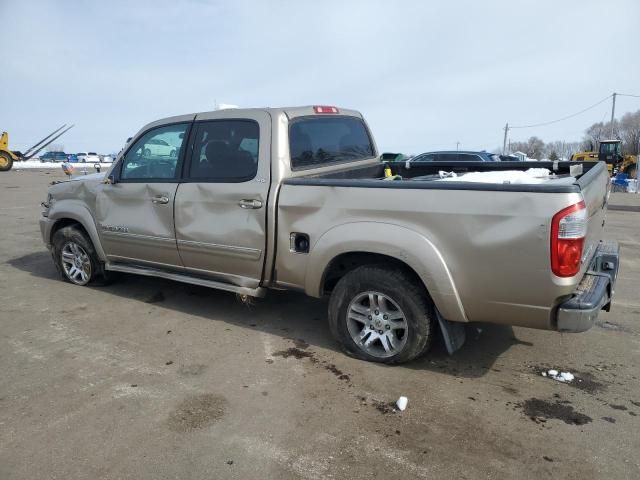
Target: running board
<point x="203" y="282"/>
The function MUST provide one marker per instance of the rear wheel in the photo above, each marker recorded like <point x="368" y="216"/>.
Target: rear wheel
<point x="380" y="314"/>
<point x="631" y="171"/>
<point x="6" y="162"/>
<point x="75" y="258"/>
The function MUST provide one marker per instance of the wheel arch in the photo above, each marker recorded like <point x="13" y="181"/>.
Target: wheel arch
<point x="351" y="245"/>
<point x="76" y="215"/>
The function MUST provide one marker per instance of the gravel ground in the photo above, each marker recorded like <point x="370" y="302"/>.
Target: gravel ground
<point x="150" y="379"/>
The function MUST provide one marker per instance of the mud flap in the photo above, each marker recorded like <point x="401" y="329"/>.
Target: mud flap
<point x="453" y="333"/>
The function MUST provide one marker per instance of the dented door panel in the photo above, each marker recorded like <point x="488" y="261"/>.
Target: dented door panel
<point x="135" y="223"/>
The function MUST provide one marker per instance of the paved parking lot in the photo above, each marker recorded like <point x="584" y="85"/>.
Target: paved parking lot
<point x="150" y="379"/>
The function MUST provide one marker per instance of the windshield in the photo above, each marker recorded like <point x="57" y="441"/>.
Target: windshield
<point x="316" y="141"/>
<point x="609" y="148"/>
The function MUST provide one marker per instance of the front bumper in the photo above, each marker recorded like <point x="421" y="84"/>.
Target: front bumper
<point x="594" y="292"/>
<point x="45" y="231"/>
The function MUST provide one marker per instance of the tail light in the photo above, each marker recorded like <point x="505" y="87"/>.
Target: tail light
<point x="568" y="229"/>
<point x="325" y="109"/>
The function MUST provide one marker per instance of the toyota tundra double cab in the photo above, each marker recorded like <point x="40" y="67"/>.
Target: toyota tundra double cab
<point x="299" y="199"/>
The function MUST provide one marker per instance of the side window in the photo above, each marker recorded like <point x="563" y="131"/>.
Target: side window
<point x="465" y="157"/>
<point x="155" y="154"/>
<point x="225" y="151"/>
<point x="447" y="157"/>
<point x="425" y="158"/>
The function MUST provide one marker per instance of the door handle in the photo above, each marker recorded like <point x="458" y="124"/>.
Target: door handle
<point x="246" y="203"/>
<point x="160" y="199"/>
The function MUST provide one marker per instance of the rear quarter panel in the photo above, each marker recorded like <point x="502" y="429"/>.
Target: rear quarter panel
<point x="495" y="245"/>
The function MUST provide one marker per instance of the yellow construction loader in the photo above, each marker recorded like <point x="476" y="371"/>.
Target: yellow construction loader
<point x="7" y="156"/>
<point x="610" y="151"/>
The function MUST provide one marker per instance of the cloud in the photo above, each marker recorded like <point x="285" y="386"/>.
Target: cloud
<point x="425" y="75"/>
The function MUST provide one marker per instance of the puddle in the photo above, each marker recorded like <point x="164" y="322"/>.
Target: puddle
<point x="543" y="410"/>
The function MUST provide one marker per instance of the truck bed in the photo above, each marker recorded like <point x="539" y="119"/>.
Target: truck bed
<point x="493" y="239"/>
<point x="425" y="176"/>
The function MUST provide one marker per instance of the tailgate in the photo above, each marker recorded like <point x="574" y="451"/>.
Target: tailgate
<point x="594" y="186"/>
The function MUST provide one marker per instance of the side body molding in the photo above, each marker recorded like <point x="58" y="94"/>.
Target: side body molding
<point x="76" y="210"/>
<point x="395" y="241"/>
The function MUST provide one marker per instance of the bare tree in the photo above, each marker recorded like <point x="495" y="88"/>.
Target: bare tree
<point x="534" y="147"/>
<point x="630" y="132"/>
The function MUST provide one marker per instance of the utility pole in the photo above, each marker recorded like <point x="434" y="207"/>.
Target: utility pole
<point x="613" y="112"/>
<point x="457" y="146"/>
<point x="504" y="142"/>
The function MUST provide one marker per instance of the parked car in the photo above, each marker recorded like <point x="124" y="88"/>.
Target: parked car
<point x="297" y="199"/>
<point x="53" y="157"/>
<point x="510" y="158"/>
<point x="88" y="157"/>
<point x="456" y="156"/>
<point x="107" y="158"/>
<point x="72" y="158"/>
<point x="159" y="147"/>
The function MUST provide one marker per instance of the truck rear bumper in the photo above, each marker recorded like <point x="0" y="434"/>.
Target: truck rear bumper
<point x="594" y="293"/>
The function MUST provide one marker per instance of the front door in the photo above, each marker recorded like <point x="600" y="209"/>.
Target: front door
<point x="135" y="214"/>
<point x="221" y="204"/>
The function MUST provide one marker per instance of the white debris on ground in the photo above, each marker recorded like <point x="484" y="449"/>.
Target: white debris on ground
<point x="402" y="403"/>
<point x="564" y="377"/>
<point x="515" y="177"/>
<point x="38" y="165"/>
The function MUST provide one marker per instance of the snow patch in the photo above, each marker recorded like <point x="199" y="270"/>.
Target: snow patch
<point x="515" y="177"/>
<point x="564" y="377"/>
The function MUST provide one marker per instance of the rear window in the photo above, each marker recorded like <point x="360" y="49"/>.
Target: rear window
<point x="317" y="141"/>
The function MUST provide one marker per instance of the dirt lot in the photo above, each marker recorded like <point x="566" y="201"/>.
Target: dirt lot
<point x="149" y="379"/>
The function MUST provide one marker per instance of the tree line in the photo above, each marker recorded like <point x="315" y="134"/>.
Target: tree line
<point x="627" y="129"/>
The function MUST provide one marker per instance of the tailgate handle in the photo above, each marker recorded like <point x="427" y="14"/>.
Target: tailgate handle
<point x="253" y="204"/>
<point x="161" y="199"/>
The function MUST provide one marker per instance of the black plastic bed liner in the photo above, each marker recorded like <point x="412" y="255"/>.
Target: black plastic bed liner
<point x="371" y="176"/>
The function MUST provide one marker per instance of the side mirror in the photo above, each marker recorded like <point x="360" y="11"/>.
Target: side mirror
<point x="111" y="179"/>
<point x="97" y="167"/>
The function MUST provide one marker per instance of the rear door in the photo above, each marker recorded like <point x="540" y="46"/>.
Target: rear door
<point x="135" y="214"/>
<point x="220" y="208"/>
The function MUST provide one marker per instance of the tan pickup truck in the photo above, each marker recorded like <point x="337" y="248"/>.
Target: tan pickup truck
<point x="298" y="198"/>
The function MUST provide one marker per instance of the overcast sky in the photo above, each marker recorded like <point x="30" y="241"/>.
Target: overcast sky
<point x="425" y="74"/>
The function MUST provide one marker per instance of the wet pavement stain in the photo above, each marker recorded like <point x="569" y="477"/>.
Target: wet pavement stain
<point x="293" y="352"/>
<point x="197" y="411"/>
<point x="337" y="372"/>
<point x="543" y="410"/>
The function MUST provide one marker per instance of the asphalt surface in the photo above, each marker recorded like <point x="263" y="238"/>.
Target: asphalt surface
<point x="150" y="379"/>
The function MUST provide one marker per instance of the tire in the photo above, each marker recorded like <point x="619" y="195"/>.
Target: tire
<point x="6" y="162"/>
<point x="76" y="259"/>
<point x="350" y="305"/>
<point x="173" y="153"/>
<point x="631" y="171"/>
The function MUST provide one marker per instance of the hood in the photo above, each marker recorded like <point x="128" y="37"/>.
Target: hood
<point x="89" y="177"/>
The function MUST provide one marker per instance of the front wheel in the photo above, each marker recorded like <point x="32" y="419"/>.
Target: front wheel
<point x="75" y="258"/>
<point x="380" y="314"/>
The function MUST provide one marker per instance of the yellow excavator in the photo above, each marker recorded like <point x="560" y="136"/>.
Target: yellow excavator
<point x="610" y="151"/>
<point x="8" y="156"/>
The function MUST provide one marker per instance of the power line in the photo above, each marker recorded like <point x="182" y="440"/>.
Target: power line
<point x="567" y="117"/>
<point x="628" y="95"/>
